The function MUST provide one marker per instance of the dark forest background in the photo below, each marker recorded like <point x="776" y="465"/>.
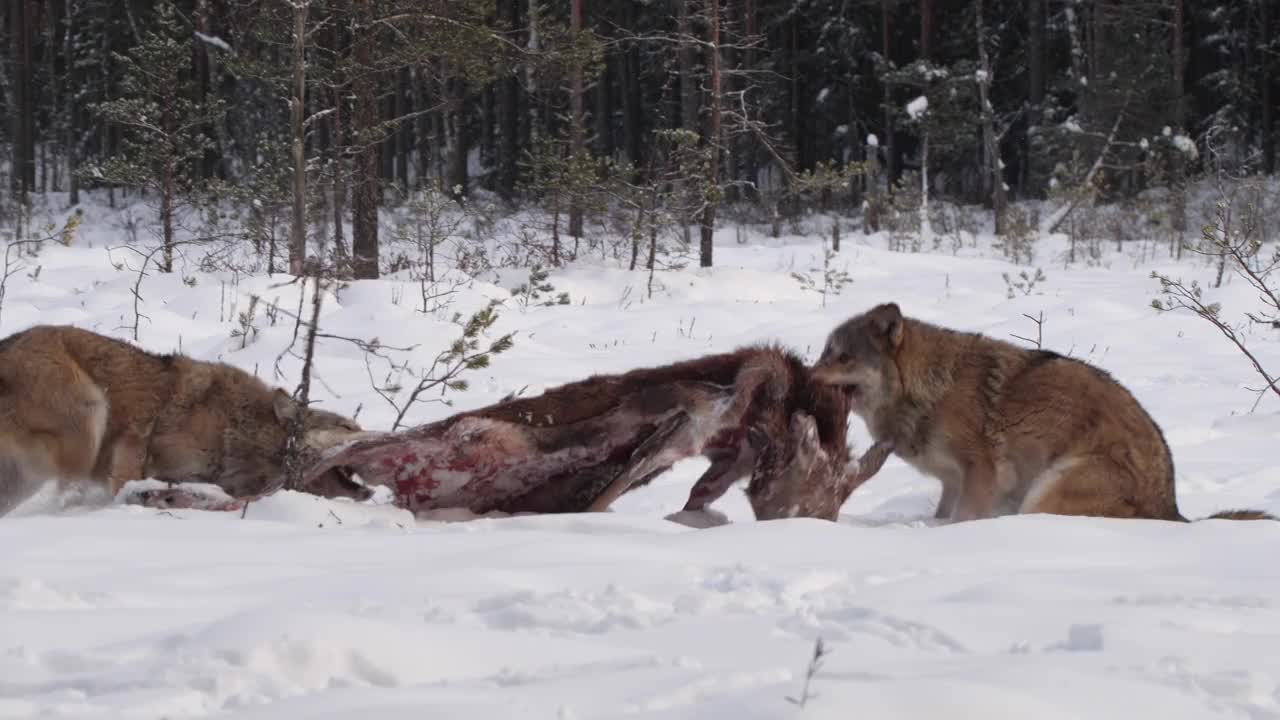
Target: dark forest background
<point x="701" y="107"/>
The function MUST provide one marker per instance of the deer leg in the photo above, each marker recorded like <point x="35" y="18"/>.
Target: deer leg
<point x="652" y="455"/>
<point x="716" y="481"/>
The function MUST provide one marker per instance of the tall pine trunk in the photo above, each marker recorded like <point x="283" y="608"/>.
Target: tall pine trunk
<point x="366" y="191"/>
<point x="990" y="143"/>
<point x="632" y="93"/>
<point x="890" y="136"/>
<point x="576" y="130"/>
<point x="458" y="139"/>
<point x="21" y="31"/>
<point x="403" y="131"/>
<point x="747" y="149"/>
<point x="208" y="161"/>
<point x="168" y="170"/>
<point x="508" y="116"/>
<point x="297" y="109"/>
<point x="1035" y="86"/>
<point x="1267" y="92"/>
<point x="712" y="189"/>
<point x="70" y="107"/>
<point x="604" y="110"/>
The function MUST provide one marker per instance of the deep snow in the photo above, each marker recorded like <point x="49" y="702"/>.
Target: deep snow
<point x="329" y="609"/>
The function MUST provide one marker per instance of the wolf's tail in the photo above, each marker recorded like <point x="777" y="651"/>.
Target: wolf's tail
<point x="1242" y="515"/>
<point x="1234" y="515"/>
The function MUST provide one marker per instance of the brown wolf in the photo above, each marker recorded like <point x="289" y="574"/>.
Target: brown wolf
<point x="79" y="406"/>
<point x="1005" y="429"/>
<point x="580" y="446"/>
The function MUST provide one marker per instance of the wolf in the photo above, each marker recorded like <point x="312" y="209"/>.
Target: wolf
<point x="79" y="406"/>
<point x="579" y="446"/>
<point x="1005" y="429"/>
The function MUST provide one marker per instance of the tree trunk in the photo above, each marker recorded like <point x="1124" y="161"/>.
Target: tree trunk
<point x="799" y="138"/>
<point x="49" y="165"/>
<point x="21" y="30"/>
<point x="200" y="62"/>
<point x="990" y="144"/>
<point x="926" y="29"/>
<point x="387" y="139"/>
<point x="364" y="220"/>
<point x="1179" y="67"/>
<point x="1267" y="95"/>
<point x="339" y="186"/>
<point x="576" y="130"/>
<point x="1035" y="86"/>
<point x="531" y="75"/>
<point x="166" y="192"/>
<point x="926" y="228"/>
<point x="731" y="87"/>
<point x="458" y="140"/>
<point x="688" y="86"/>
<point x="708" y="224"/>
<point x="632" y="90"/>
<point x="297" y="109"/>
<point x="747" y="150"/>
<point x="509" y="118"/>
<point x="70" y="107"/>
<point x="488" y="137"/>
<point x="403" y="129"/>
<point x="423" y="141"/>
<point x="604" y="110"/>
<point x="874" y="198"/>
<point x="890" y="137"/>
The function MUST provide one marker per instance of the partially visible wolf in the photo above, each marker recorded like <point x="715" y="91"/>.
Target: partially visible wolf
<point x="1005" y="429"/>
<point x="580" y="446"/>
<point x="79" y="406"/>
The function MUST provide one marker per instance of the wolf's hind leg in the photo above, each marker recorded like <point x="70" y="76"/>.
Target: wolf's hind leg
<point x="1096" y="487"/>
<point x="71" y="436"/>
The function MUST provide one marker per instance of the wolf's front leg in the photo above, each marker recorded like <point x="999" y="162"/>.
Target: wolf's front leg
<point x="128" y="457"/>
<point x="976" y="498"/>
<point x="947" y="503"/>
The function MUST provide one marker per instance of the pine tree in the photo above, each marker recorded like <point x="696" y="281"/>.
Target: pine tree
<point x="163" y="127"/>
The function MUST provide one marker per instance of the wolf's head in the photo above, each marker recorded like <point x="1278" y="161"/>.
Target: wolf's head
<point x="859" y="357"/>
<point x="321" y="430"/>
<point x="255" y="447"/>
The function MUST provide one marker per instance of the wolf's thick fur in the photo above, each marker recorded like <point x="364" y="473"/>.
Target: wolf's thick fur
<point x="79" y="406"/>
<point x="1005" y="429"/>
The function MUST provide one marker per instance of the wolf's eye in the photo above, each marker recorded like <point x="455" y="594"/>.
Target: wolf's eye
<point x="844" y="357"/>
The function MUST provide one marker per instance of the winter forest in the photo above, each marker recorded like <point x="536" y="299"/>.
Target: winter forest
<point x="309" y="115"/>
<point x="680" y="359"/>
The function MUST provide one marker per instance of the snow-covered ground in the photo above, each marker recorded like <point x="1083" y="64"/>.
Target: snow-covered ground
<point x="310" y="608"/>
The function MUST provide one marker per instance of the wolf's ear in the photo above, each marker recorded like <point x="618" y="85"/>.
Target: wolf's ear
<point x="887" y="321"/>
<point x="283" y="404"/>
